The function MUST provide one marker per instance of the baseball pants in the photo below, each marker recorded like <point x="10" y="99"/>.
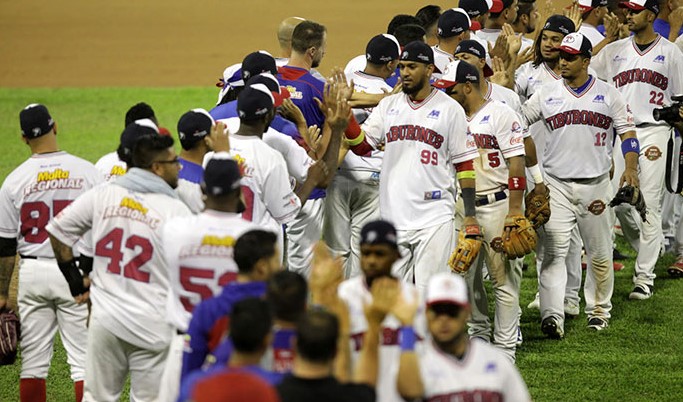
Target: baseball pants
<point x="109" y="359"/>
<point x="45" y="306"/>
<point x="652" y="167"/>
<point x="424" y="252"/>
<point x="302" y="235"/>
<point x="506" y="277"/>
<point x="581" y="203"/>
<point x="350" y="204"/>
<point x="170" y="379"/>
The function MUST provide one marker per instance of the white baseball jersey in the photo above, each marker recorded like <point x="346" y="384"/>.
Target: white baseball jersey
<point x="483" y="374"/>
<point x="191" y="194"/>
<point x="679" y="42"/>
<point x="358" y="63"/>
<point x="581" y="127"/>
<point x="646" y="78"/>
<point x="37" y="190"/>
<point x="441" y="60"/>
<point x="491" y="35"/>
<point x="510" y="98"/>
<point x="498" y="133"/>
<point x="529" y="78"/>
<point x="295" y="156"/>
<point x="423" y="140"/>
<point x="590" y="32"/>
<point x="130" y="276"/>
<point x="268" y="196"/>
<point x="111" y="166"/>
<point x="355" y="293"/>
<point x="199" y="254"/>
<point x="372" y="85"/>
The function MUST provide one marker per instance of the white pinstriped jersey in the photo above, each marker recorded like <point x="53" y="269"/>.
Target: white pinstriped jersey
<point x="581" y="127"/>
<point x="484" y="374"/>
<point x="269" y="199"/>
<point x="199" y="254"/>
<point x="36" y="191"/>
<point x="498" y="133"/>
<point x="647" y="79"/>
<point x="130" y="276"/>
<point x="422" y="141"/>
<point x="355" y="293"/>
<point x="111" y="166"/>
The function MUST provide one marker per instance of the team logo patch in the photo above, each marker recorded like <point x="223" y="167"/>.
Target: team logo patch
<point x="653" y="153"/>
<point x="618" y="58"/>
<point x="392" y="112"/>
<point x="660" y="59"/>
<point x="293" y="93"/>
<point x="433" y="195"/>
<point x="490" y="367"/>
<point x="485" y="119"/>
<point x="596" y="207"/>
<point x="497" y="244"/>
<point x="553" y="101"/>
<point x="516" y="127"/>
<point x="434" y="114"/>
<point x="599" y="99"/>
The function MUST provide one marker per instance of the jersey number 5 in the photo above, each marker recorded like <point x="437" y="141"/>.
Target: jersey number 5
<point x="189" y="274"/>
<point x="35" y="216"/>
<point x="110" y="246"/>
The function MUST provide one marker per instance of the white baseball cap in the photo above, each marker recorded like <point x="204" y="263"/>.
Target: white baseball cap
<point x="576" y="43"/>
<point x="587" y="5"/>
<point x="447" y="288"/>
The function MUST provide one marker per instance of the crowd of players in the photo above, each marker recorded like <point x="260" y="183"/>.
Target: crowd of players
<point x="202" y="275"/>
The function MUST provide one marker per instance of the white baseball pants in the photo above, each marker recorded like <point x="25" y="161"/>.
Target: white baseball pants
<point x="302" y="235"/>
<point x="170" y="379"/>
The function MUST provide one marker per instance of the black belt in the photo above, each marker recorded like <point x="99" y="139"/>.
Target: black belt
<point x="28" y="257"/>
<point x="490" y="198"/>
<point x="179" y="332"/>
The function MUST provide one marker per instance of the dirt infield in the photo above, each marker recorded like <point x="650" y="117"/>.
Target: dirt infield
<point x="154" y="43"/>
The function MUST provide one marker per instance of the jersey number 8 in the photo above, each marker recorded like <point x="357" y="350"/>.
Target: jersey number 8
<point x="35" y="216"/>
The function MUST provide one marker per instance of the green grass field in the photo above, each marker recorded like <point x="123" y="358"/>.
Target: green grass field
<point x="638" y="358"/>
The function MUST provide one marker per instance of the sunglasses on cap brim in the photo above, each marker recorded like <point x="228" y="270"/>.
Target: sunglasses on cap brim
<point x="449" y="309"/>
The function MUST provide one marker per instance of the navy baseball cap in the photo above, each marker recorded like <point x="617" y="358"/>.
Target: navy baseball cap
<point x="254" y="102"/>
<point x="475" y="8"/>
<point x="453" y="22"/>
<point x="132" y="133"/>
<point x="576" y="43"/>
<point x="640" y="5"/>
<point x="193" y="126"/>
<point x="279" y="93"/>
<point x="35" y="121"/>
<point x="457" y="72"/>
<point x="476" y="49"/>
<point x="560" y="24"/>
<point x="257" y="63"/>
<point x="419" y="52"/>
<point x="382" y="49"/>
<point x="379" y="232"/>
<point x="222" y="175"/>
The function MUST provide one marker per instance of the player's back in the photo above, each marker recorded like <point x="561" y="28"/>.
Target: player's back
<point x="303" y="87"/>
<point x="269" y="199"/>
<point x="110" y="166"/>
<point x="199" y="253"/>
<point x="38" y="190"/>
<point x="130" y="275"/>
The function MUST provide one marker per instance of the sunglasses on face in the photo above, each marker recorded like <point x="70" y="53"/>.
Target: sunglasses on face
<point x="568" y="57"/>
<point x="447" y="309"/>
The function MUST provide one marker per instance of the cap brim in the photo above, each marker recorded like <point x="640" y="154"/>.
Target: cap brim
<point x="488" y="71"/>
<point x="475" y="26"/>
<point x="584" y="9"/>
<point x="497" y="6"/>
<point x="446" y="301"/>
<point x="568" y="49"/>
<point x="631" y="5"/>
<point x="164" y="131"/>
<point x="278" y="98"/>
<point x="443" y="84"/>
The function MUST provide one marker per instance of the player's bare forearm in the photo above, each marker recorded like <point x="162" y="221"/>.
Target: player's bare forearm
<point x="516" y="169"/>
<point x="331" y="156"/>
<point x="63" y="252"/>
<point x="362" y="99"/>
<point x="6" y="271"/>
<point x="409" y="380"/>
<point x="530" y="156"/>
<point x="342" y="362"/>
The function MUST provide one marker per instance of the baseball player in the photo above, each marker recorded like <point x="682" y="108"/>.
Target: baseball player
<point x="501" y="12"/>
<point x="113" y="165"/>
<point x="429" y="19"/>
<point x="452" y="367"/>
<point x="453" y="28"/>
<point x="422" y="130"/>
<point x="581" y="113"/>
<point x="128" y="331"/>
<point x="531" y="76"/>
<point x="353" y="194"/>
<point x="592" y="14"/>
<point x="525" y="23"/>
<point x="379" y="252"/>
<point x="37" y="190"/>
<point x="193" y="129"/>
<point x="200" y="261"/>
<point x="644" y="69"/>
<point x="498" y="133"/>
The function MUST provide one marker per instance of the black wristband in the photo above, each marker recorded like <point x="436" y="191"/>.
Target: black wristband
<point x="468" y="200"/>
<point x="85" y="264"/>
<point x="73" y="277"/>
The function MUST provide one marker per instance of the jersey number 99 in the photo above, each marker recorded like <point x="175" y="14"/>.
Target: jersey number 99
<point x="429" y="158"/>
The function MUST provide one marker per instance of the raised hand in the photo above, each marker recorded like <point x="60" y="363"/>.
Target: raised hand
<point x="218" y="140"/>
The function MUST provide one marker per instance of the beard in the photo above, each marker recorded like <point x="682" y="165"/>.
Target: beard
<point x="448" y="344"/>
<point x="417" y="86"/>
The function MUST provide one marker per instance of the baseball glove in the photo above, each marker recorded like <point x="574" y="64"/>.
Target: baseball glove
<point x="519" y="237"/>
<point x="631" y="195"/>
<point x="537" y="207"/>
<point x="467" y="249"/>
<point x="10" y="331"/>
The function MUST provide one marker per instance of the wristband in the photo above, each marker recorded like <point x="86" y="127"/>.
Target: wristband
<point x="407" y="339"/>
<point x="535" y="172"/>
<point x="73" y="277"/>
<point x="467" y="174"/>
<point x="630" y="145"/>
<point x="517" y="183"/>
<point x="356" y="141"/>
<point x="85" y="264"/>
